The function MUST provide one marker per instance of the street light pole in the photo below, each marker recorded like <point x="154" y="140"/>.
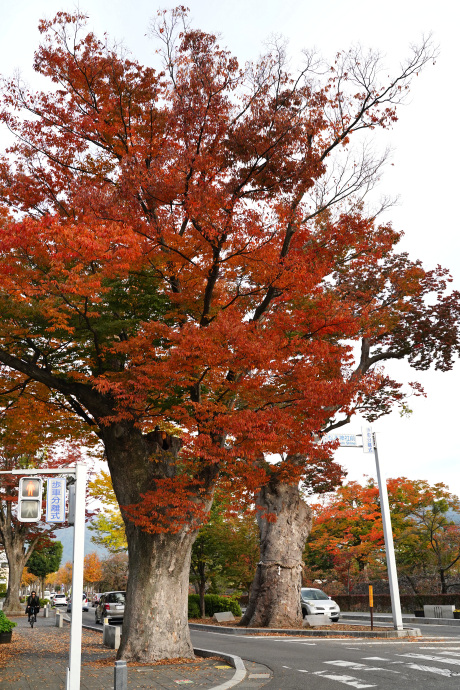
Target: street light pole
<point x="389" y="546"/>
<point x="74" y="669"/>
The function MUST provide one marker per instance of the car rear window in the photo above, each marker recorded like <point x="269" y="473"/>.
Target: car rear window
<point x="116" y="598"/>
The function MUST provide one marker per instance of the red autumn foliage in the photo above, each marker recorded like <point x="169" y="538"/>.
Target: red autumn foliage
<point x="177" y="251"/>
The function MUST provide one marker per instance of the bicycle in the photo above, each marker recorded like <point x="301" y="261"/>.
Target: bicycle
<point x="33" y="618"/>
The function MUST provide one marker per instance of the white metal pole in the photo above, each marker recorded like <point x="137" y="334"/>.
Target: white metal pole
<point x="74" y="671"/>
<point x="389" y="546"/>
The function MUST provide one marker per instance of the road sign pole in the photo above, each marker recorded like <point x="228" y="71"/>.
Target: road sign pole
<point x="389" y="546"/>
<point x="74" y="670"/>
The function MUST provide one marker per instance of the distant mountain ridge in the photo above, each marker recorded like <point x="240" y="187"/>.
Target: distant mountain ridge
<point x="65" y="536"/>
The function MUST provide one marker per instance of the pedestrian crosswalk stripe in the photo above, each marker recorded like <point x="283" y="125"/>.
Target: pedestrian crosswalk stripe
<point x="346" y="680"/>
<point x="433" y="669"/>
<point x="375" y="658"/>
<point x="432" y="657"/>
<point x="357" y="666"/>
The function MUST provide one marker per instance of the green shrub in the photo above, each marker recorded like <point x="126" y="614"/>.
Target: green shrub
<point x="2" y="589"/>
<point x="44" y="601"/>
<point x="213" y="603"/>
<point x="193" y="606"/>
<point x="5" y="624"/>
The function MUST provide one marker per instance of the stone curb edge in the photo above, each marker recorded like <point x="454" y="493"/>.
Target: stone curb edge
<point x="235" y="661"/>
<point x="395" y="634"/>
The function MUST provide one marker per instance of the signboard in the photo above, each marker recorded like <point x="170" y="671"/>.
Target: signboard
<point x="368" y="439"/>
<point x="55" y="499"/>
<point x="346" y="440"/>
<point x="30" y="499"/>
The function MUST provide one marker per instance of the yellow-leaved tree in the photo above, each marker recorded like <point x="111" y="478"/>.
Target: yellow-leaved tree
<point x="108" y="526"/>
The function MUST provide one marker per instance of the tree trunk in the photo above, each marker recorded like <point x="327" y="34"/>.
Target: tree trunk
<point x="274" y="600"/>
<point x="443" y="581"/>
<point x="202" y="589"/>
<point x="155" y="624"/>
<point x="16" y="562"/>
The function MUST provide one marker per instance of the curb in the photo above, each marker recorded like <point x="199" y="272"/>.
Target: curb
<point x="235" y="661"/>
<point x="395" y="634"/>
<point x="231" y="659"/>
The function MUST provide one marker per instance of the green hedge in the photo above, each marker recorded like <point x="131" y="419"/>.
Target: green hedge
<point x="213" y="603"/>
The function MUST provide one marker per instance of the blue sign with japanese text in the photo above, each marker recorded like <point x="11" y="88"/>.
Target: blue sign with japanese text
<point x="55" y="500"/>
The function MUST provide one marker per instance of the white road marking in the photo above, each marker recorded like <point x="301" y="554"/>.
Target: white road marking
<point x="311" y="644"/>
<point x="375" y="658"/>
<point x="433" y="669"/>
<point x="357" y="666"/>
<point x="347" y="680"/>
<point x="432" y="657"/>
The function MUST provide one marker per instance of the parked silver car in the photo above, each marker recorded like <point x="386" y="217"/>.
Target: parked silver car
<point x="112" y="606"/>
<point x="316" y="602"/>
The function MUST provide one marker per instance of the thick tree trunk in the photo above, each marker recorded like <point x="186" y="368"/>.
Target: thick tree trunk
<point x="274" y="600"/>
<point x="155" y="623"/>
<point x="16" y="562"/>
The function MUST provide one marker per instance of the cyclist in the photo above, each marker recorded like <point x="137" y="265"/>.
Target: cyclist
<point x="33" y="605"/>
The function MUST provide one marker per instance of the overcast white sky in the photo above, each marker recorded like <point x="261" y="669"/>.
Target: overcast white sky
<point x="425" y="143"/>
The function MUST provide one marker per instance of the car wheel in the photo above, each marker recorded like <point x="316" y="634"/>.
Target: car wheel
<point x="335" y="620"/>
<point x="304" y="613"/>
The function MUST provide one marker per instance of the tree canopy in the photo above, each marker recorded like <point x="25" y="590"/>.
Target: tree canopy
<point x="187" y="263"/>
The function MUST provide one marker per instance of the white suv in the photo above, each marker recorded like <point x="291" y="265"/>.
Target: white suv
<point x="60" y="600"/>
<point x="316" y="602"/>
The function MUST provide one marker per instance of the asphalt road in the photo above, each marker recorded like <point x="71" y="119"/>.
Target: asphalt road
<point x="327" y="664"/>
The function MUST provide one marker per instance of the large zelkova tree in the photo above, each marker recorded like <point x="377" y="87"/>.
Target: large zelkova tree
<point x="188" y="249"/>
<point x="32" y="435"/>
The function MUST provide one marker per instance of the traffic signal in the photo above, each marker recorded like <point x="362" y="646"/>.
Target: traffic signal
<point x="30" y="499"/>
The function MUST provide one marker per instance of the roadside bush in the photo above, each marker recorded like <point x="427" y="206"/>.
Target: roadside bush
<point x="213" y="603"/>
<point x="5" y="624"/>
<point x="193" y="606"/>
<point x="44" y="601"/>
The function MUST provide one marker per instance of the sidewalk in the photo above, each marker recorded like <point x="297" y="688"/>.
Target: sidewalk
<point x="37" y="659"/>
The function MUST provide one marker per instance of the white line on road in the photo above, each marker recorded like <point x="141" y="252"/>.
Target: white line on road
<point x="357" y="666"/>
<point x="432" y="657"/>
<point x="433" y="669"/>
<point x="347" y="680"/>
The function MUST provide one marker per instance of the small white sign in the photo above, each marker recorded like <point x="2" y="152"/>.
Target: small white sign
<point x="55" y="500"/>
<point x="346" y="440"/>
<point x="368" y="439"/>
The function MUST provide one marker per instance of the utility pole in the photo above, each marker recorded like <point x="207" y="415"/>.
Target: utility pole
<point x="389" y="545"/>
<point x="369" y="445"/>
